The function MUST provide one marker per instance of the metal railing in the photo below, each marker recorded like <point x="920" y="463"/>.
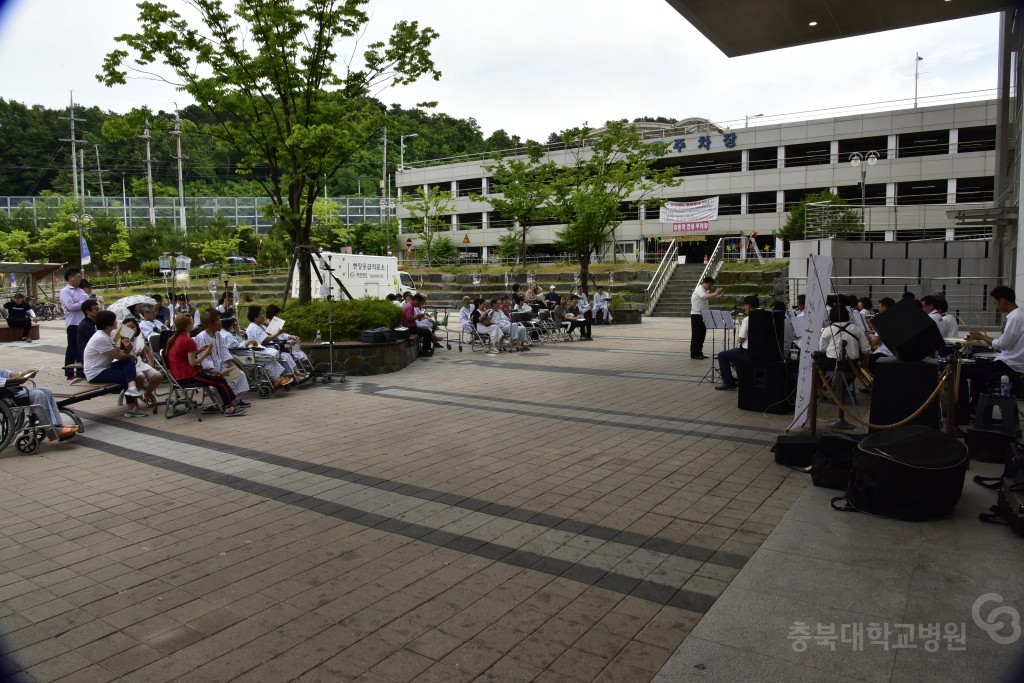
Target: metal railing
<point x="661" y="277"/>
<point x="714" y="261"/>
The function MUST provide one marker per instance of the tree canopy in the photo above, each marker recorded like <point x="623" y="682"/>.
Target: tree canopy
<point x="265" y="72"/>
<point x="832" y="218"/>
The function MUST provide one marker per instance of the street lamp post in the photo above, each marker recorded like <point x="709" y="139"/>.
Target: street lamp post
<point x="80" y="220"/>
<point x="751" y="116"/>
<point x="401" y="167"/>
<point x="862" y="160"/>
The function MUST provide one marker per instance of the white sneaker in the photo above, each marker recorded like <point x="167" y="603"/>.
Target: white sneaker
<point x="133" y="392"/>
<point x="492" y="352"/>
<point x="136" y="412"/>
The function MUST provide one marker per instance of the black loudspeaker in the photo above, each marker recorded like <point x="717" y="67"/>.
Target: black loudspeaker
<point x="765" y="387"/>
<point x="900" y="388"/>
<point x="908" y="331"/>
<point x="765" y="331"/>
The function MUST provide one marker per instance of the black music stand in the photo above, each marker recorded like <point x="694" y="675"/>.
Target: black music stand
<point x="716" y="319"/>
<point x="330" y="374"/>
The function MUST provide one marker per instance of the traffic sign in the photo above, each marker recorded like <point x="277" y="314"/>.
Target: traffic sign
<point x="465" y="240"/>
<point x="408" y="242"/>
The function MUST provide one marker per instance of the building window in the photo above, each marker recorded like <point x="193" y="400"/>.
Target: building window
<point x="976" y="139"/>
<point x="922" y="144"/>
<point x="975" y="189"/>
<point x="763" y="157"/>
<point x="762" y="202"/>
<point x="877" y="143"/>
<point x="921" y="192"/>
<point x="813" y="154"/>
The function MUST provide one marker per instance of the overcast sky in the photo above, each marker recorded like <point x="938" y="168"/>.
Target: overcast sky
<point x="533" y="67"/>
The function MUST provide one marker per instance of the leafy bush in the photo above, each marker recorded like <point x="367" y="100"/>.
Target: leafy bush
<point x="350" y="317"/>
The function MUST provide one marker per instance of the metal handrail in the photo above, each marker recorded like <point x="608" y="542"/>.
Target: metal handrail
<point x="661" y="276"/>
<point x="714" y="261"/>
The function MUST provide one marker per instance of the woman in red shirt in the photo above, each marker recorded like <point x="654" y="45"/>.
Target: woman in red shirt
<point x="184" y="362"/>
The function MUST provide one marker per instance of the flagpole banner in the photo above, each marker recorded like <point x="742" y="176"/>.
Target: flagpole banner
<point x="690" y="212"/>
<point x="819" y="271"/>
<point x="86" y="257"/>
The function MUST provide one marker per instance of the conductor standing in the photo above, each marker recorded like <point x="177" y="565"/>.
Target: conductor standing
<point x="698" y="304"/>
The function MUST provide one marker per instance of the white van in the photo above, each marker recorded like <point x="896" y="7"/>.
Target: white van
<point x="362" y="276"/>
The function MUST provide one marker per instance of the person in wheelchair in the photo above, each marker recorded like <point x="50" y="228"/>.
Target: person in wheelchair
<point x="293" y="342"/>
<point x="184" y="362"/>
<point x="235" y="341"/>
<point x="46" y="412"/>
<point x="256" y="330"/>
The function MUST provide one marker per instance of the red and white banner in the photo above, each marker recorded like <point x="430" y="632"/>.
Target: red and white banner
<point x="689" y="212"/>
<point x="700" y="226"/>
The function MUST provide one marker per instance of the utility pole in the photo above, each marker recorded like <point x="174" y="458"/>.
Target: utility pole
<point x="81" y="176"/>
<point x="72" y="140"/>
<point x="149" y="173"/>
<point x="99" y="172"/>
<point x="181" y="185"/>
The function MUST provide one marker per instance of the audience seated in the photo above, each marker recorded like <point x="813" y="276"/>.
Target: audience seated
<point x="412" y="316"/>
<point x="20" y="315"/>
<point x="293" y="342"/>
<point x="551" y="298"/>
<point x="514" y="331"/>
<point x="105" y="362"/>
<point x="237" y="344"/>
<point x="255" y="331"/>
<point x="147" y="376"/>
<point x="578" y="318"/>
<point x="220" y="361"/>
<point x="46" y="406"/>
<point x="184" y="362"/>
<point x="481" y="318"/>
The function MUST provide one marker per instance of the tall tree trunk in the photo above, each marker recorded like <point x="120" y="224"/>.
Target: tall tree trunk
<point x="585" y="271"/>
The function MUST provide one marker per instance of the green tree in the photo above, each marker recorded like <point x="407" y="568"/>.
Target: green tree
<point x="522" y="191"/>
<point x="444" y="250"/>
<point x="429" y="211"/>
<point x="832" y="218"/>
<point x="508" y="246"/>
<point x="375" y="238"/>
<point x="14" y="245"/>
<point x="605" y="170"/>
<point x="329" y="232"/>
<point x="119" y="252"/>
<point x="264" y="73"/>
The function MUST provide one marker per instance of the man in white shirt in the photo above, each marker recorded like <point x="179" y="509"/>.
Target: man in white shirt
<point x="1009" y="361"/>
<point x="100" y="368"/>
<point x="698" y="303"/>
<point x="731" y="357"/>
<point x="220" y="361"/>
<point x="936" y="306"/>
<point x="71" y="300"/>
<point x="602" y="311"/>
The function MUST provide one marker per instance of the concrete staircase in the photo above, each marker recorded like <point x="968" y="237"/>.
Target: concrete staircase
<point x="675" y="300"/>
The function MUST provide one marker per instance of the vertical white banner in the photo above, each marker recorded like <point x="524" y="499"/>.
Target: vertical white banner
<point x="819" y="271"/>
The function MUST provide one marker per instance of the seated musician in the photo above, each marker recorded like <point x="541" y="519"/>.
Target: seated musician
<point x="1009" y="361"/>
<point x="937" y="309"/>
<point x="842" y="329"/>
<point x="731" y="357"/>
<point x="881" y="350"/>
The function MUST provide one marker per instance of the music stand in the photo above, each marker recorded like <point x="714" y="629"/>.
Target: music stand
<point x="716" y="319"/>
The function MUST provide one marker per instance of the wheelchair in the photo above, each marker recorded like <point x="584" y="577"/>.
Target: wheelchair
<point x="20" y="424"/>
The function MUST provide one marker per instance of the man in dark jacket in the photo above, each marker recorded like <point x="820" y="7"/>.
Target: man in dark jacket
<point x="19" y="315"/>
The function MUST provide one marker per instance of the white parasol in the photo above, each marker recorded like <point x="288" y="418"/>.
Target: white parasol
<point x="121" y="306"/>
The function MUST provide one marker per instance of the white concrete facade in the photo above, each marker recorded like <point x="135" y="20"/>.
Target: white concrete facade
<point x="946" y="169"/>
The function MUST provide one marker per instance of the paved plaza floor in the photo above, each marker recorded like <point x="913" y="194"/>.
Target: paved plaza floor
<point x="572" y="513"/>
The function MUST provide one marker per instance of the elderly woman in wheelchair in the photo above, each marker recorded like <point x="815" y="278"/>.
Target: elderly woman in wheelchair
<point x="28" y="412"/>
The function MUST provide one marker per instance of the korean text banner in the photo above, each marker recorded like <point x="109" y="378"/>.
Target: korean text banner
<point x="688" y="212"/>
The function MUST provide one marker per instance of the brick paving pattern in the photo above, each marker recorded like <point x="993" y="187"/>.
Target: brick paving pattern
<point x="566" y="514"/>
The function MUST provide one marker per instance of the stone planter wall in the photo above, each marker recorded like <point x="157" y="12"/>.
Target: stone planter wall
<point x="627" y="316"/>
<point x="359" y="359"/>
